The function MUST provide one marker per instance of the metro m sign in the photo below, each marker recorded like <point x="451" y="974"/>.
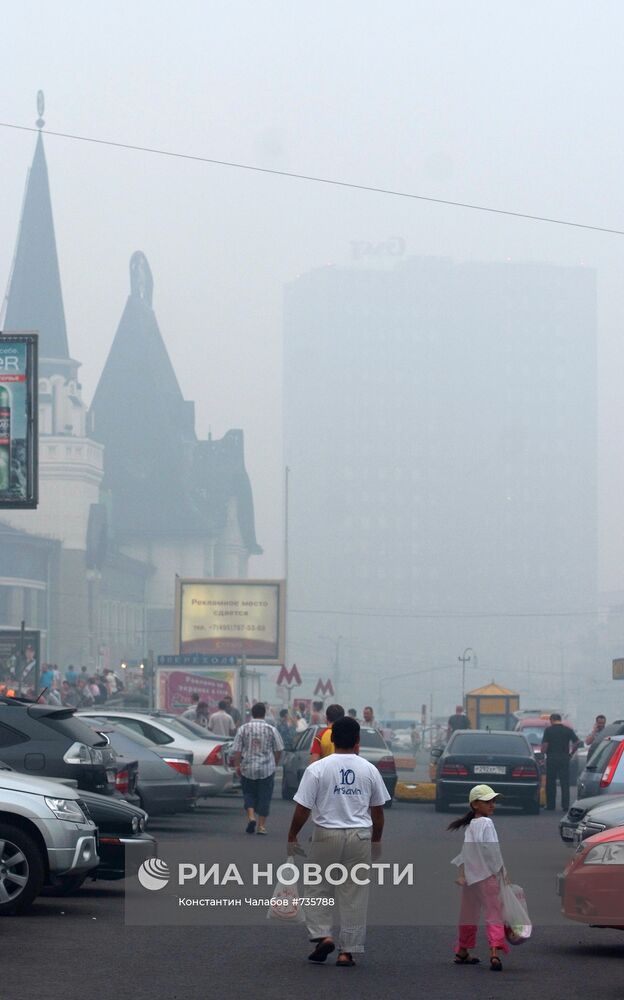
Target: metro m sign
<point x="289" y="678"/>
<point x="324" y="688"/>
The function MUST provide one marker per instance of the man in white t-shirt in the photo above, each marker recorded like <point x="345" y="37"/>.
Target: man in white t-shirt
<point x="345" y="795"/>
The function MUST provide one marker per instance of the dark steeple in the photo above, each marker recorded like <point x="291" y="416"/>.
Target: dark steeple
<point x="162" y="480"/>
<point x="143" y="420"/>
<point x="34" y="299"/>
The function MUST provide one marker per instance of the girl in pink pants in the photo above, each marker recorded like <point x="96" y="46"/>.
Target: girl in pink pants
<point x="480" y="871"/>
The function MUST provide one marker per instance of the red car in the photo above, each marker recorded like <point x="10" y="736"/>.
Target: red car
<point x="592" y="886"/>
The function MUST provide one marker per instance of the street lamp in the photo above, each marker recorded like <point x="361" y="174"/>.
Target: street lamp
<point x="464" y="659"/>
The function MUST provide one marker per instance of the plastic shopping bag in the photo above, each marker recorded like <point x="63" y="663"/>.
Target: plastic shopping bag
<point x="285" y="903"/>
<point x="518" y="925"/>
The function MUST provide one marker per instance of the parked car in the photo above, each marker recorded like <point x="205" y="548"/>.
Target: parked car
<point x="605" y="816"/>
<point x="46" y="835"/>
<point x="504" y="760"/>
<point x="53" y="743"/>
<point x="210" y="769"/>
<point x="373" y="748"/>
<point x="592" y="886"/>
<point x="576" y="814"/>
<point x="604" y="771"/>
<point x="164" y="782"/>
<point x="123" y="844"/>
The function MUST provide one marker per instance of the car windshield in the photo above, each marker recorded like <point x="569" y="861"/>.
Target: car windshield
<point x="190" y="728"/>
<point x="105" y="727"/>
<point x="371" y="738"/>
<point x="534" y="734"/>
<point x="488" y="743"/>
<point x="601" y="756"/>
<point x="180" y="726"/>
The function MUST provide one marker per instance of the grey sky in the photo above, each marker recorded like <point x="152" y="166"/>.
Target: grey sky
<point x="514" y="105"/>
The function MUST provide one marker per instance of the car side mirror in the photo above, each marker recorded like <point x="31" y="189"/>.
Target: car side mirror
<point x="436" y="751"/>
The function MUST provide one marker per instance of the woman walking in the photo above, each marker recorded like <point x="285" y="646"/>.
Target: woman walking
<point x="480" y="870"/>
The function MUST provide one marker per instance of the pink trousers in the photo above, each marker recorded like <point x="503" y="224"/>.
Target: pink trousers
<point x="475" y="898"/>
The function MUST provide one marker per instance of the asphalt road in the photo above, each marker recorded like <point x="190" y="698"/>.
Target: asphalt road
<point x="80" y="947"/>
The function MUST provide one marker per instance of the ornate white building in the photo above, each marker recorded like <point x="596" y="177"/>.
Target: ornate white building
<point x="129" y="497"/>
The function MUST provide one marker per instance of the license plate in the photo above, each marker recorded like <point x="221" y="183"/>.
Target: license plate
<point x="489" y="769"/>
<point x="568" y="832"/>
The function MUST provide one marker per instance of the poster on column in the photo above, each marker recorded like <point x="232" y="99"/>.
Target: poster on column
<point x="237" y="617"/>
<point x="18" y="421"/>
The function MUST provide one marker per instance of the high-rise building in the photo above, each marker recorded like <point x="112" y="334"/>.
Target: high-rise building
<point x="440" y="428"/>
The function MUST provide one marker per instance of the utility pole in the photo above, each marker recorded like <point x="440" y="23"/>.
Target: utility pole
<point x="464" y="659"/>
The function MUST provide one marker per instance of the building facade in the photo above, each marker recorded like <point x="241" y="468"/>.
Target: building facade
<point x="129" y="497"/>
<point x="440" y="428"/>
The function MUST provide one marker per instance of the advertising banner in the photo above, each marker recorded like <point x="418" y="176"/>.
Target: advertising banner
<point x="18" y="420"/>
<point x="236" y="617"/>
<point x="175" y="687"/>
<point x="19" y="660"/>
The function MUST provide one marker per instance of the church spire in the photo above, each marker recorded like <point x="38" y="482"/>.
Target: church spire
<point x="34" y="299"/>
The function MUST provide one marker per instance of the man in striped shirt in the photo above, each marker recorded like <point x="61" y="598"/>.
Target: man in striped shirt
<point x="257" y="749"/>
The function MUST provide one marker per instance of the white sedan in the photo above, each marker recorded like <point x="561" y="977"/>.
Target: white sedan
<point x="210" y="767"/>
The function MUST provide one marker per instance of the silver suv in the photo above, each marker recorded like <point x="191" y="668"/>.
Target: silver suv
<point x="45" y="833"/>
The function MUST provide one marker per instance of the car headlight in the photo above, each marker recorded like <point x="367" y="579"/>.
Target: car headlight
<point x="67" y="809"/>
<point x="135" y="824"/>
<point x="606" y="854"/>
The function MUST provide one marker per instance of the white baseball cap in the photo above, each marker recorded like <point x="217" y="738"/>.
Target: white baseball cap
<point x="482" y="793"/>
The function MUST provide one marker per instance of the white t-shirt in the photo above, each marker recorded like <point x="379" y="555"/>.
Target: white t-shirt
<point x="481" y="855"/>
<point x="340" y="789"/>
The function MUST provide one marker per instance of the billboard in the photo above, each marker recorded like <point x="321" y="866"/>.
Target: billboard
<point x="18" y="420"/>
<point x="175" y="687"/>
<point x="19" y="660"/>
<point x="231" y="617"/>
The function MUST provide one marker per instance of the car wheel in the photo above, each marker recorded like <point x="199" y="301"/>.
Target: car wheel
<point x="21" y="869"/>
<point x="287" y="793"/>
<point x="66" y="886"/>
<point x="441" y="804"/>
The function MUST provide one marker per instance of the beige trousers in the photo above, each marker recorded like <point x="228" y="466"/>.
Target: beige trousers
<point x="346" y="847"/>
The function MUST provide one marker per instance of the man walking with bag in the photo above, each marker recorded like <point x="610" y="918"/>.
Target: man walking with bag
<point x="345" y="795"/>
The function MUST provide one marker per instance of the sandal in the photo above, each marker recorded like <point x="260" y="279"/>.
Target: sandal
<point x="495" y="964"/>
<point x="466" y="959"/>
<point x="346" y="961"/>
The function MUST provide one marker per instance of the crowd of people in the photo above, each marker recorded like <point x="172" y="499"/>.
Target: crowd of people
<point x="71" y="688"/>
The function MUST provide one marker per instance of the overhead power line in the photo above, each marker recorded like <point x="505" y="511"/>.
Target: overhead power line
<point x="311" y="178"/>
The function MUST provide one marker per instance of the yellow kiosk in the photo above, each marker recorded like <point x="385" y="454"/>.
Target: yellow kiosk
<point x="492" y="707"/>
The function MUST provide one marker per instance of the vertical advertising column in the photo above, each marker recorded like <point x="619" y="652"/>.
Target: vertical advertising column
<point x="18" y="421"/>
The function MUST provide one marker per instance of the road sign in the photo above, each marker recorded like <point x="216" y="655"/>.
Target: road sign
<point x="289" y="678"/>
<point x="618" y="670"/>
<point x="196" y="660"/>
<point x="324" y="688"/>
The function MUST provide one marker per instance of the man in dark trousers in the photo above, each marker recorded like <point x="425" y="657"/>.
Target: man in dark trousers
<point x="558" y="744"/>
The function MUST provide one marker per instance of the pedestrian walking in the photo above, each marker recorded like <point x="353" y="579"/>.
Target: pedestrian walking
<point x="345" y="796"/>
<point x="257" y="749"/>
<point x="286" y="728"/>
<point x="231" y="709"/>
<point x="201" y="714"/>
<point x="558" y="744"/>
<point x="192" y="709"/>
<point x="481" y="869"/>
<point x="221" y="722"/>
<point x="322" y="744"/>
